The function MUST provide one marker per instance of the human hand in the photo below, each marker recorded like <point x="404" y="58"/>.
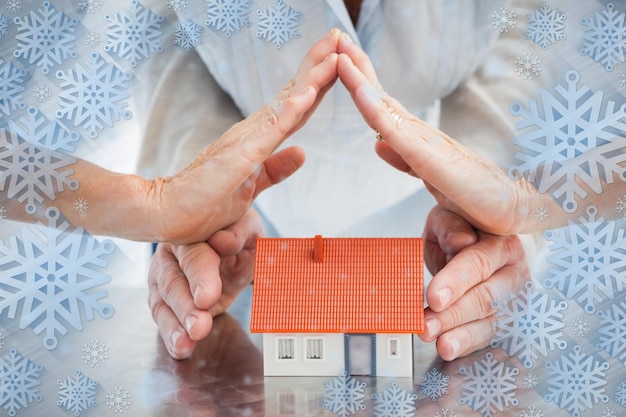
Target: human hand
<point x="471" y="269"/>
<point x="191" y="284"/>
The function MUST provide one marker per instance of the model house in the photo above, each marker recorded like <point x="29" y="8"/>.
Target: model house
<point x="329" y="305"/>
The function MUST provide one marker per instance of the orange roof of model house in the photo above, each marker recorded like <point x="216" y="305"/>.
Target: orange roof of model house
<point x="343" y="285"/>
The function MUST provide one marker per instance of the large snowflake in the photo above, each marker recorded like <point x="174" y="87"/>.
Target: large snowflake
<point x="77" y="393"/>
<point x="53" y="277"/>
<point x="45" y="37"/>
<point x="570" y="139"/>
<point x="228" y="16"/>
<point x="434" y="384"/>
<point x="278" y="24"/>
<point x="344" y="396"/>
<point x="529" y="324"/>
<point x="188" y="34"/>
<point x="588" y="260"/>
<point x="134" y="33"/>
<point x="613" y="331"/>
<point x="620" y="394"/>
<point x="488" y="386"/>
<point x="94" y="95"/>
<point x="11" y="88"/>
<point x="605" y="37"/>
<point x="576" y="381"/>
<point x="33" y="159"/>
<point x="19" y="379"/>
<point x="545" y="26"/>
<point x="394" y="401"/>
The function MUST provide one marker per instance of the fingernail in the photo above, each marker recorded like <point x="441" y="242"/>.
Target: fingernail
<point x="196" y="293"/>
<point x="455" y="346"/>
<point x="190" y="321"/>
<point x="346" y="39"/>
<point x="444" y="297"/>
<point x="372" y="94"/>
<point x="433" y="327"/>
<point x="174" y="339"/>
<point x="332" y="32"/>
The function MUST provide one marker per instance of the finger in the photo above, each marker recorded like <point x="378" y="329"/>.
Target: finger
<point x="358" y="57"/>
<point x="387" y="154"/>
<point x="466" y="339"/>
<point x="318" y="52"/>
<point x="231" y="240"/>
<point x="278" y="167"/>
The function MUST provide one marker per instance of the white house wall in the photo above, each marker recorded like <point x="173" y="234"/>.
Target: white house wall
<point x="331" y="365"/>
<point x="399" y="367"/>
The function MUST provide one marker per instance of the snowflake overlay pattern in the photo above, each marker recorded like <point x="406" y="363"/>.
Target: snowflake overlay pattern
<point x="77" y="393"/>
<point x="81" y="206"/>
<point x="19" y="379"/>
<point x="394" y="401"/>
<point x="94" y="353"/>
<point x="605" y="37"/>
<point x="445" y="412"/>
<point x="580" y="327"/>
<point x="14" y="6"/>
<point x="571" y="139"/>
<point x="621" y="205"/>
<point x="613" y="331"/>
<point x="11" y="88"/>
<point x="532" y="411"/>
<point x="621" y="79"/>
<point x="91" y="6"/>
<point x="528" y="65"/>
<point x="530" y="381"/>
<point x="529" y="325"/>
<point x="228" y="16"/>
<point x="620" y="394"/>
<point x="46" y="37"/>
<point x="33" y="159"/>
<point x="588" y="260"/>
<point x="4" y="25"/>
<point x="488" y="386"/>
<point x="94" y="95"/>
<point x="53" y="276"/>
<point x="118" y="400"/>
<point x="344" y="396"/>
<point x="134" y="34"/>
<point x="504" y="19"/>
<point x="576" y="381"/>
<point x="545" y="26"/>
<point x="177" y="5"/>
<point x="42" y="92"/>
<point x="278" y="24"/>
<point x="434" y="384"/>
<point x="188" y="35"/>
<point x="92" y="38"/>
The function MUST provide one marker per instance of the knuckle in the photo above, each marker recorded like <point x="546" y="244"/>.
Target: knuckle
<point x="157" y="309"/>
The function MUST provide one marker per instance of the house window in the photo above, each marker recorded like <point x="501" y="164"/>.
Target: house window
<point x="314" y="349"/>
<point x="285" y="348"/>
<point x="393" y="347"/>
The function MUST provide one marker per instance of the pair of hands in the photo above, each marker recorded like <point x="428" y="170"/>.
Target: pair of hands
<point x="190" y="283"/>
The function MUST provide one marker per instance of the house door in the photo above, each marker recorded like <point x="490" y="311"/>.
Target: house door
<point x="361" y="354"/>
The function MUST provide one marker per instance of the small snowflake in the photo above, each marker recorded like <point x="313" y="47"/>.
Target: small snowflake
<point x="542" y="214"/>
<point x="504" y="19"/>
<point x="612" y="331"/>
<point x="91" y="6"/>
<point x="605" y="37"/>
<point x="3" y="214"/>
<point x="608" y="412"/>
<point x="94" y="353"/>
<point x="14" y="6"/>
<point x="81" y="205"/>
<point x="4" y="25"/>
<point x="532" y="411"/>
<point x="545" y="26"/>
<point x="620" y="394"/>
<point x="19" y="379"/>
<point x="527" y="66"/>
<point x="1" y="340"/>
<point x="118" y="400"/>
<point x="394" y="401"/>
<point x="177" y="5"/>
<point x="77" y="393"/>
<point x="580" y="327"/>
<point x="228" y="16"/>
<point x="445" y="412"/>
<point x="278" y="24"/>
<point x="188" y="35"/>
<point x="434" y="384"/>
<point x="621" y="79"/>
<point x="344" y="396"/>
<point x="530" y="381"/>
<point x="42" y="92"/>
<point x="92" y="38"/>
<point x="621" y="205"/>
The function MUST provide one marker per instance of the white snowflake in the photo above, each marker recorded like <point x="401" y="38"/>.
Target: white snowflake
<point x="52" y="276"/>
<point x="542" y="214"/>
<point x="11" y="88"/>
<point x="228" y="16"/>
<point x="94" y="95"/>
<point x="45" y="37"/>
<point x="77" y="393"/>
<point x="81" y="205"/>
<point x="278" y="24"/>
<point x="91" y="6"/>
<point x="134" y="33"/>
<point x="571" y="139"/>
<point x="3" y="214"/>
<point x="394" y="401"/>
<point x="177" y="5"/>
<point x="621" y="79"/>
<point x="612" y="331"/>
<point x="580" y="327"/>
<point x="188" y="35"/>
<point x="504" y="19"/>
<point x="118" y="400"/>
<point x="4" y="25"/>
<point x="530" y="381"/>
<point x="14" y="6"/>
<point x="608" y="412"/>
<point x="529" y="324"/>
<point x="92" y="38"/>
<point x="488" y="386"/>
<point x="588" y="260"/>
<point x="620" y="394"/>
<point x="19" y="379"/>
<point x="528" y="65"/>
<point x="621" y="205"/>
<point x="545" y="26"/>
<point x="576" y="381"/>
<point x="434" y="384"/>
<point x="1" y="340"/>
<point x="42" y="92"/>
<point x="32" y="159"/>
<point x="445" y="412"/>
<point x="605" y="37"/>
<point x="532" y="411"/>
<point x="344" y="396"/>
<point x="94" y="353"/>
